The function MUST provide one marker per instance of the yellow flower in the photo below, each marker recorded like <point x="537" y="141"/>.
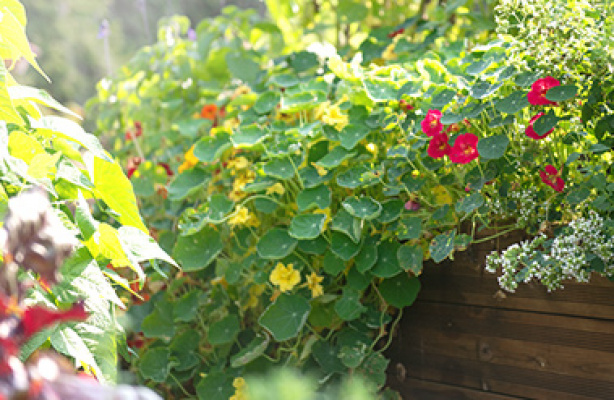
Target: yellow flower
<point x="441" y="195"/>
<point x="333" y="116"/>
<point x="321" y="170"/>
<point x="241" y="90"/>
<point x="255" y="291"/>
<point x="238" y="163"/>
<point x="325" y="211"/>
<point x="277" y="188"/>
<point x="286" y="277"/>
<point x="240" y="389"/>
<point x="313" y="283"/>
<point x="372" y="148"/>
<point x="236" y="195"/>
<point x="241" y="216"/>
<point x="190" y="160"/>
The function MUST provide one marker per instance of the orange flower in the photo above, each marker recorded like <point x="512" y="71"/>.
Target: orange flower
<point x="209" y="111"/>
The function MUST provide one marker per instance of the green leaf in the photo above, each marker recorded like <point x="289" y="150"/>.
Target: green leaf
<point x="303" y="60"/>
<point x="478" y="67"/>
<point x="380" y="90"/>
<point x="307" y="226"/>
<point x="526" y="78"/>
<point x="351" y="134"/>
<point x="493" y="147"/>
<point x="317" y="246"/>
<point x="350" y="11"/>
<point x="160" y="323"/>
<point x="387" y="264"/>
<point x="577" y="196"/>
<point x="544" y="123"/>
<point x="344" y="247"/>
<point x="155" y="364"/>
<point x="196" y="252"/>
<point x="284" y="80"/>
<point x="286" y="316"/>
<point x="248" y="136"/>
<point x="332" y="264"/>
<point x="400" y="291"/>
<point x="326" y="355"/>
<point x="319" y="196"/>
<point x="267" y="102"/>
<point x="210" y="148"/>
<point x="276" y="244"/>
<point x="410" y="258"/>
<point x="186" y="308"/>
<point x="19" y="92"/>
<point x="335" y="157"/>
<point x="562" y="93"/>
<point x="513" y="103"/>
<point x="373" y="369"/>
<point x="409" y="228"/>
<point x="302" y="101"/>
<point x="224" y="331"/>
<point x="484" y="89"/>
<point x="140" y="247"/>
<point x="67" y="129"/>
<point x="365" y="208"/>
<point x="468" y="204"/>
<point x="366" y="258"/>
<point x="442" y="98"/>
<point x="349" y="307"/>
<point x="187" y="183"/>
<point x="242" y="67"/>
<point x="360" y="175"/>
<point x="7" y="109"/>
<point x="281" y="168"/>
<point x="346" y="223"/>
<point x="252" y="351"/>
<point x="442" y="245"/>
<point x="391" y="210"/>
<point x="215" y="386"/>
<point x="115" y="190"/>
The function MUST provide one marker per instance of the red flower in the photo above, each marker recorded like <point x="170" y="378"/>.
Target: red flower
<point x="452" y="128"/>
<point x="167" y="168"/>
<point x="431" y="124"/>
<point x="412" y="205"/>
<point x="465" y="149"/>
<point x="209" y="111"/>
<point x="531" y="132"/>
<point x="537" y="94"/>
<point x="405" y="105"/>
<point x="37" y="318"/>
<point x="551" y="177"/>
<point x="137" y="133"/>
<point x="438" y="146"/>
<point x="396" y="33"/>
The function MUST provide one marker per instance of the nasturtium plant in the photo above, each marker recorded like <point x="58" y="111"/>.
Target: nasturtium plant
<point x="303" y="193"/>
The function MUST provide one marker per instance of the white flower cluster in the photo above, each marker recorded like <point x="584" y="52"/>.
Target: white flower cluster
<point x="573" y="255"/>
<point x="559" y="35"/>
<point x="526" y="209"/>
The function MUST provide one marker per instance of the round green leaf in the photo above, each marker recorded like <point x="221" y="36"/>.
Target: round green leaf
<point x="335" y="157"/>
<point x="493" y="147"/>
<point x="562" y="93"/>
<point x="379" y="89"/>
<point x="332" y="264"/>
<point x="215" y="386"/>
<point x="319" y="196"/>
<point x="352" y="134"/>
<point x="317" y="246"/>
<point x="286" y="316"/>
<point x="349" y="307"/>
<point x="211" y="148"/>
<point x="484" y="89"/>
<point x="267" y="102"/>
<point x="197" y="251"/>
<point x="364" y="207"/>
<point x="343" y="246"/>
<point x="346" y="223"/>
<point x="387" y="264"/>
<point x="326" y="355"/>
<point x="442" y="98"/>
<point x="409" y="228"/>
<point x="224" y="331"/>
<point x="276" y="244"/>
<point x="248" y="136"/>
<point x="155" y="364"/>
<point x="307" y="226"/>
<point x="281" y="168"/>
<point x="252" y="351"/>
<point x="357" y="176"/>
<point x="470" y="203"/>
<point x="400" y="291"/>
<point x="544" y="123"/>
<point x="478" y="67"/>
<point x="303" y="60"/>
<point x="410" y="258"/>
<point x="449" y="118"/>
<point x="513" y="103"/>
<point x="391" y="210"/>
<point x="187" y="183"/>
<point x="242" y="67"/>
<point x="366" y="258"/>
<point x="442" y="245"/>
<point x="284" y="80"/>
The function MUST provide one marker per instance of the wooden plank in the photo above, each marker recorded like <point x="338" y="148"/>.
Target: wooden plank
<point x="509" y="352"/>
<point x="416" y="389"/>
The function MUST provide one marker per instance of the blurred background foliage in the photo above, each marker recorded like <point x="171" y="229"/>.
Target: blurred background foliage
<point x="66" y="35"/>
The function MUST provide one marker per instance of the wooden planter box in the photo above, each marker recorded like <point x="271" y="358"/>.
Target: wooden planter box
<point x="465" y="339"/>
